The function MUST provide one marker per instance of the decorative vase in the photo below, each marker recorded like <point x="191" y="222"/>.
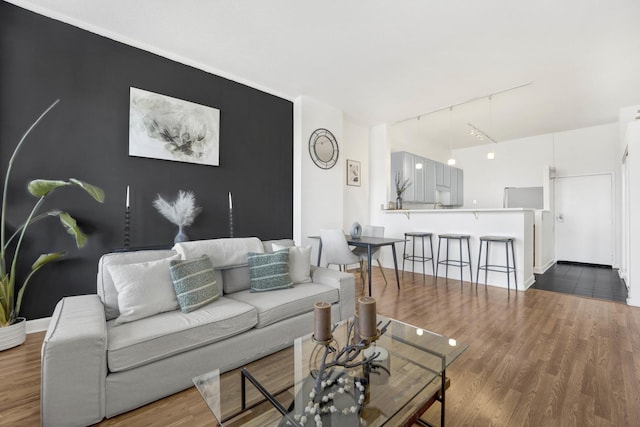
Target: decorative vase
<point x="356" y="231"/>
<point x="13" y="335"/>
<point x="398" y="202"/>
<point x="181" y="236"/>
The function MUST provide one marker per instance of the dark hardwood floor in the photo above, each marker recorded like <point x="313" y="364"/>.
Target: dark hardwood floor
<point x="535" y="358"/>
<point x="584" y="280"/>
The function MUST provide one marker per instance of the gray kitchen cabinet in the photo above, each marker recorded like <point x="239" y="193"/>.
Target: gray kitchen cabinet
<point x="403" y="163"/>
<point x="443" y="176"/>
<point x="429" y="181"/>
<point x="426" y="176"/>
<point x="456" y="194"/>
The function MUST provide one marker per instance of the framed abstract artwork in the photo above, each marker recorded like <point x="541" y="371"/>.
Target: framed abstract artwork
<point x="353" y="173"/>
<point x="162" y="127"/>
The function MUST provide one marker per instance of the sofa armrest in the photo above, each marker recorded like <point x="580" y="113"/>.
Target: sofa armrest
<point x="74" y="363"/>
<point x="344" y="282"/>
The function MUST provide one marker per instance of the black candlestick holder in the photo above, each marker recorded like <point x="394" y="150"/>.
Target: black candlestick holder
<point x="127" y="223"/>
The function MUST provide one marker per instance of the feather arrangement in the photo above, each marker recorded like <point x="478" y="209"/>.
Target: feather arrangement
<point x="181" y="212"/>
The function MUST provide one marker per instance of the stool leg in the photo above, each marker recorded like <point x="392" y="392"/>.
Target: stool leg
<point x="478" y="270"/>
<point x="506" y="252"/>
<point x="513" y="257"/>
<point x="486" y="264"/>
<point x="431" y="249"/>
<point x="413" y="255"/>
<point x="469" y="258"/>
<point x="423" y="260"/>
<point x="438" y="259"/>
<point x="461" y="264"/>
<point x="446" y="266"/>
<point x="404" y="253"/>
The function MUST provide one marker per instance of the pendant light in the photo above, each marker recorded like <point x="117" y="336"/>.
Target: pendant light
<point x="452" y="160"/>
<point x="491" y="155"/>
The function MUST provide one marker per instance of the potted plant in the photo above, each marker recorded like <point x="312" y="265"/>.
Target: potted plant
<point x="401" y="186"/>
<point x="13" y="327"/>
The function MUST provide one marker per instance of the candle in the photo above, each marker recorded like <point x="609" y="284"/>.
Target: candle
<point x="322" y="320"/>
<point x="127" y="196"/>
<point x="230" y="201"/>
<point x="367" y="317"/>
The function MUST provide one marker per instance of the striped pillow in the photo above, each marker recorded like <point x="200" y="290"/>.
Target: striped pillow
<point x="269" y="271"/>
<point x="194" y="282"/>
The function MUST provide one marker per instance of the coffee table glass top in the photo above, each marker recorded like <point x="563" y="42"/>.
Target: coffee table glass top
<point x="406" y="373"/>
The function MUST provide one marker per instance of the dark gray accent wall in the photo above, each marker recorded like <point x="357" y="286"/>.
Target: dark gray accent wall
<point x="86" y="137"/>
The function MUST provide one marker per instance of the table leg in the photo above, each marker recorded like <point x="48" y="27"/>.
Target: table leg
<point x="395" y="263"/>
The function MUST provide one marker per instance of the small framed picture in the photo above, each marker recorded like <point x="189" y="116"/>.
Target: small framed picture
<point x="353" y="173"/>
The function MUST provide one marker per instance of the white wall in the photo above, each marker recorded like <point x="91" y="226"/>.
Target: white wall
<point x="519" y="163"/>
<point x="355" y="199"/>
<point x="406" y="136"/>
<point x="626" y="116"/>
<point x="632" y="142"/>
<point x="317" y="193"/>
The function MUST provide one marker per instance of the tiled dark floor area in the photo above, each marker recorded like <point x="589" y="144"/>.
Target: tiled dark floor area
<point x="585" y="280"/>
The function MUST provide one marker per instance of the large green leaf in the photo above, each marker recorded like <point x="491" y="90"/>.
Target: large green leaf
<point x="71" y="226"/>
<point x="96" y="192"/>
<point x="42" y="187"/>
<point x="46" y="259"/>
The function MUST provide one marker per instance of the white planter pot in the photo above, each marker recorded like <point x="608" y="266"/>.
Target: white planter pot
<point x="14" y="335"/>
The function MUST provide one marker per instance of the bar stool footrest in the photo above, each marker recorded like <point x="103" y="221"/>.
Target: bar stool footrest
<point x="454" y="263"/>
<point x="500" y="268"/>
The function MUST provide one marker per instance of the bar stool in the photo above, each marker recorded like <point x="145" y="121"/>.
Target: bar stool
<point x="494" y="267"/>
<point x="455" y="262"/>
<point x="413" y="257"/>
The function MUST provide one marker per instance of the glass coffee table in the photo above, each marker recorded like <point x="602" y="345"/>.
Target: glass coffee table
<point x="405" y="375"/>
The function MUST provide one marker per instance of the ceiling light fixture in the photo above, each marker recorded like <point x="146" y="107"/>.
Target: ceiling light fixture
<point x="480" y="134"/>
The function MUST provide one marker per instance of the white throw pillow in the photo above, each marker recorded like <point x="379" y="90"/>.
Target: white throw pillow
<point x="299" y="262"/>
<point x="144" y="289"/>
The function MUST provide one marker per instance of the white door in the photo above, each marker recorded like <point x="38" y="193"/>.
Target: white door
<point x="584" y="219"/>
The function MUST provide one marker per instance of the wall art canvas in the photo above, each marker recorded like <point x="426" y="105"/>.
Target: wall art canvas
<point x="162" y="127"/>
<point x="353" y="173"/>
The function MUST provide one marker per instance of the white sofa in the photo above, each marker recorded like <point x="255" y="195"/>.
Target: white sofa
<point x="93" y="368"/>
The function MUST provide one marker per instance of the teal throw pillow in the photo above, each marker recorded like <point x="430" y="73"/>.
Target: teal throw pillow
<point x="269" y="271"/>
<point x="194" y="282"/>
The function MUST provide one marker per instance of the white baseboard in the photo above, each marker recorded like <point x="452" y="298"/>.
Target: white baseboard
<point x="543" y="269"/>
<point x="38" y="325"/>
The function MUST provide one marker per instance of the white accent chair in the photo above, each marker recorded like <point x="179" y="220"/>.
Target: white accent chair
<point x="372" y="231"/>
<point x="336" y="250"/>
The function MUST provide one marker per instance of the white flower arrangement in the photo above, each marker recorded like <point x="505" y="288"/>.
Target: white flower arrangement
<point x="181" y="212"/>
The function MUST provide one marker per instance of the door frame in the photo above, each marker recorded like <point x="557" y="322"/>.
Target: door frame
<point x="614" y="219"/>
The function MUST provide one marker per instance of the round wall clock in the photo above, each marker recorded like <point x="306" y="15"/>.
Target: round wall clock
<point x="323" y="148"/>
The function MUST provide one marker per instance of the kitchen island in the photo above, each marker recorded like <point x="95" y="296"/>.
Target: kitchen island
<point x="514" y="222"/>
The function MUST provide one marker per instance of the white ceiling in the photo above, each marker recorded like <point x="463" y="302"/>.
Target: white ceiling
<point x="387" y="61"/>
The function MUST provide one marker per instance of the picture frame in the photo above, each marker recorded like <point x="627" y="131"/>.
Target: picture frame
<point x="166" y="128"/>
<point x="354" y="173"/>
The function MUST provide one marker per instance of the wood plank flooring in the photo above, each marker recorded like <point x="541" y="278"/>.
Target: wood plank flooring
<point x="536" y="358"/>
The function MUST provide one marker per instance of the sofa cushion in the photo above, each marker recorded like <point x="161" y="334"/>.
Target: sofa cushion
<point x="144" y="289"/>
<point x="236" y="279"/>
<point x="299" y="262"/>
<point x="283" y="243"/>
<point x="194" y="282"/>
<point x="223" y="252"/>
<point x="269" y="271"/>
<point x="284" y="303"/>
<point x="158" y="337"/>
<point x="105" y="287"/>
